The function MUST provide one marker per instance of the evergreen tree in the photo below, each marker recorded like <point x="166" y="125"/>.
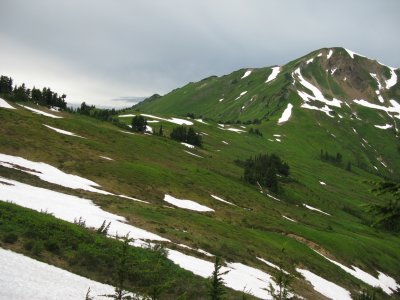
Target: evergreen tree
<point x="139" y="124"/>
<point x="160" y="131"/>
<point x="283" y="280"/>
<point x="216" y="282"/>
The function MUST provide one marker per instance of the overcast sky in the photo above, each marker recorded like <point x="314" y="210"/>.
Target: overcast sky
<point x="102" y="50"/>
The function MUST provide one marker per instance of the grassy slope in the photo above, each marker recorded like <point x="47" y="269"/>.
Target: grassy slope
<point x="147" y="167"/>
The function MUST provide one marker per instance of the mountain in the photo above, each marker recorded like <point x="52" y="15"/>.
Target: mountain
<point x="60" y="167"/>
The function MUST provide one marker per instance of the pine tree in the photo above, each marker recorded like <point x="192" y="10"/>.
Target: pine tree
<point x="216" y="282"/>
<point x="160" y="131"/>
<point x="139" y="124"/>
<point x="283" y="281"/>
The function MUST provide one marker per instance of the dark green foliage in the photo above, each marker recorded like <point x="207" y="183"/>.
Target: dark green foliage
<point x="255" y="131"/>
<point x="366" y="295"/>
<point x="10" y="238"/>
<point x="44" y="97"/>
<point x="335" y="159"/>
<point x="387" y="214"/>
<point x="139" y="124"/>
<point x="182" y="134"/>
<point x="216" y="282"/>
<point x="161" y="131"/>
<point x="92" y="111"/>
<point x="93" y="255"/>
<point x="348" y="167"/>
<point x="263" y="170"/>
<point x="283" y="279"/>
<point x="103" y="229"/>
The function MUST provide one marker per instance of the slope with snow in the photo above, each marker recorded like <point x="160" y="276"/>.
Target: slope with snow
<point x="286" y="114"/>
<point x="23" y="278"/>
<point x="315" y="209"/>
<point x="241" y="94"/>
<point x="4" y="104"/>
<point x="325" y="287"/>
<point x="171" y="120"/>
<point x="65" y="132"/>
<point x="222" y="200"/>
<point x="392" y="80"/>
<point x="247" y="73"/>
<point x="274" y="74"/>
<point x="39" y="112"/>
<point x="187" y="204"/>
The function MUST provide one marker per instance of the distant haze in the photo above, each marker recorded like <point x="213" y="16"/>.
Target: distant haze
<point x="115" y="53"/>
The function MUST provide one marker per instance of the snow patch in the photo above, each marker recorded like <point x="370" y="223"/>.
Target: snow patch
<point x="352" y="53"/>
<point x="226" y="143"/>
<point x="193" y="154"/>
<point x="126" y="116"/>
<point x="310" y="61"/>
<point x="386" y="126"/>
<point x="315" y="209"/>
<point x="247" y="73"/>
<point x="272" y="265"/>
<point x="201" y="121"/>
<point x="286" y="114"/>
<point x="322" y="183"/>
<point x="171" y="120"/>
<point x="24" y="278"/>
<point x="287" y="218"/>
<point x="105" y="157"/>
<point x="273" y="197"/>
<point x="329" y="54"/>
<point x="188" y="145"/>
<point x="4" y="104"/>
<point x="241" y="94"/>
<point x="69" y="208"/>
<point x="187" y="204"/>
<point x="324" y="109"/>
<point x="236" y="130"/>
<point x="274" y="74"/>
<point x="220" y="100"/>
<point x="319" y="55"/>
<point x="39" y="112"/>
<point x="393" y="79"/>
<point x="333" y="71"/>
<point x="395" y="108"/>
<point x="222" y="200"/>
<point x="385" y="282"/>
<point x="325" y="287"/>
<point x="63" y="131"/>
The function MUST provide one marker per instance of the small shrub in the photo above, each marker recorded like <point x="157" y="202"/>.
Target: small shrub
<point x="10" y="238"/>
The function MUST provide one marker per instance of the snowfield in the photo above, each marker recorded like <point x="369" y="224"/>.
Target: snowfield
<point x="4" y="104"/>
<point x="386" y="126"/>
<point x="39" y="112"/>
<point x="247" y="73"/>
<point x="393" y="79"/>
<point x="68" y="208"/>
<point x="325" y="287"/>
<point x="385" y="282"/>
<point x="187" y="204"/>
<point x="63" y="131"/>
<point x="286" y="114"/>
<point x="50" y="174"/>
<point x="274" y="74"/>
<point x="23" y="278"/>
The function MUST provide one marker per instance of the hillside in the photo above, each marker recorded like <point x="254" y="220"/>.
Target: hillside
<point x="311" y="109"/>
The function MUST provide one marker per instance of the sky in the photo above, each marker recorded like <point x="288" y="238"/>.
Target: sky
<point x="112" y="53"/>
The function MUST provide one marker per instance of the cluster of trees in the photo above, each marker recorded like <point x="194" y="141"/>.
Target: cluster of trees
<point x="334" y="159"/>
<point x="183" y="134"/>
<point x="255" y="131"/>
<point x="263" y="170"/>
<point x="92" y="111"/>
<point x="139" y="124"/>
<point x="248" y="122"/>
<point x="21" y="93"/>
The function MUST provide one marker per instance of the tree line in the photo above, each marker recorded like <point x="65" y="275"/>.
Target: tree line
<point x="21" y="93"/>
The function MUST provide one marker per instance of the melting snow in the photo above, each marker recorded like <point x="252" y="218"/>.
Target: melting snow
<point x="310" y="61"/>
<point x="274" y="74"/>
<point x="63" y="131"/>
<point x="318" y="96"/>
<point x="187" y="204"/>
<point x="329" y="54"/>
<point x="393" y="79"/>
<point x="286" y="114"/>
<point x="201" y="121"/>
<point x="324" y="109"/>
<point x="126" y="116"/>
<point x="49" y="173"/>
<point x="287" y="218"/>
<point x="278" y="140"/>
<point x="236" y="130"/>
<point x="319" y="55"/>
<point x="69" y="208"/>
<point x="333" y="71"/>
<point x="322" y="183"/>
<point x="386" y="283"/>
<point x="153" y="121"/>
<point x="4" y="104"/>
<point x="188" y="145"/>
<point x="273" y="197"/>
<point x="105" y="157"/>
<point x="373" y="75"/>
<point x="226" y="143"/>
<point x="222" y="200"/>
<point x="193" y="154"/>
<point x="171" y="120"/>
<point x="325" y="287"/>
<point x="24" y="278"/>
<point x="241" y="94"/>
<point x="41" y="112"/>
<point x="395" y="108"/>
<point x="387" y="126"/>
<point x="316" y="209"/>
<point x="351" y="53"/>
<point x="220" y="100"/>
<point x="247" y="73"/>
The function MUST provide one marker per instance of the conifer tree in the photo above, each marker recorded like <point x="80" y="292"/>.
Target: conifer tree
<point x="216" y="281"/>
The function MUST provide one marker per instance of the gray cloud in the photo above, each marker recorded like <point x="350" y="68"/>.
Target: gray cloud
<point x="99" y="50"/>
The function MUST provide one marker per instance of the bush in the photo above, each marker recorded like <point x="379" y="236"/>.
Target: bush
<point x="10" y="238"/>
